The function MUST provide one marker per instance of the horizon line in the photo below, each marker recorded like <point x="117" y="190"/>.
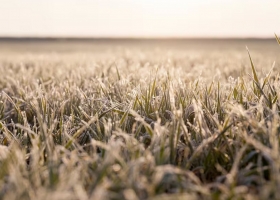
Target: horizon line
<point x="127" y="38"/>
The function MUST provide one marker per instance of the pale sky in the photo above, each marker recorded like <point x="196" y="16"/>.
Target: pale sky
<point x="140" y="18"/>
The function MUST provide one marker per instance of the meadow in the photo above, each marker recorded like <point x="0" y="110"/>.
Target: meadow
<point x="140" y="119"/>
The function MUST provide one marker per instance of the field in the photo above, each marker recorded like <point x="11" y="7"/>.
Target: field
<point x="139" y="119"/>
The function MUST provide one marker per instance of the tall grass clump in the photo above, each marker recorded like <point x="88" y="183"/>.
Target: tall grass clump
<point x="138" y="125"/>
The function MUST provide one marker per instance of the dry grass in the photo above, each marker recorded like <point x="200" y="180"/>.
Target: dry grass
<point x="139" y="124"/>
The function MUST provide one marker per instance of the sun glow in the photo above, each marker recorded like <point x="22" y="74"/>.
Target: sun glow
<point x="141" y="18"/>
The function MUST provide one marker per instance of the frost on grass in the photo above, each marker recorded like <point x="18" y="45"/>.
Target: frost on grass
<point x="138" y="125"/>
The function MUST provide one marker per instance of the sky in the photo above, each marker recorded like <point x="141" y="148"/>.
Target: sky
<point x="139" y="18"/>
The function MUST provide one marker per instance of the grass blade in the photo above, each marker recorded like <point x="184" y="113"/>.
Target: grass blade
<point x="253" y="67"/>
<point x="277" y="38"/>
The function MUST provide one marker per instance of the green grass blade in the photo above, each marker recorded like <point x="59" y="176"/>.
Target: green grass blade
<point x="124" y="117"/>
<point x="80" y="131"/>
<point x="253" y="67"/>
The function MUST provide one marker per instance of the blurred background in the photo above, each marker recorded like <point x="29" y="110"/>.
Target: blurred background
<point x="87" y="25"/>
<point x="140" y="18"/>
